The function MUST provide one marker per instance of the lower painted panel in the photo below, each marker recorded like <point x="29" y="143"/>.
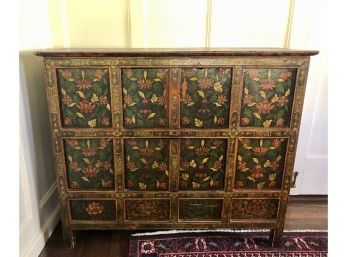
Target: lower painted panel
<point x="93" y="210"/>
<point x="147" y="210"/>
<point x="200" y="209"/>
<point x="254" y="209"/>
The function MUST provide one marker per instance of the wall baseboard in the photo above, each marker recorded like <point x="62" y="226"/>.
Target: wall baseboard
<point x="44" y="234"/>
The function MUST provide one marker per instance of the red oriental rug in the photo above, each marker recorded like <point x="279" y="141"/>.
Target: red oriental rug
<point x="228" y="244"/>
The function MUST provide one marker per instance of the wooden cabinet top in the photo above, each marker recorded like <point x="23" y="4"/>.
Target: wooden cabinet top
<point x="174" y="52"/>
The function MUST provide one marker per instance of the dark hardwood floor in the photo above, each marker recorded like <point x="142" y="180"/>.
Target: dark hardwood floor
<point x="309" y="212"/>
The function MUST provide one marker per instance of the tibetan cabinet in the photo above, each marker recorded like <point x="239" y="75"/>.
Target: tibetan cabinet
<point x="174" y="139"/>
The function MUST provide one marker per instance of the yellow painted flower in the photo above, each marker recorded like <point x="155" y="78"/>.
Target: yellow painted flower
<point x="185" y="176"/>
<point x="198" y="123"/>
<point x="193" y="164"/>
<point x="94" y="98"/>
<point x="92" y="123"/>
<point x="154" y="98"/>
<point x="275" y="98"/>
<point x="142" y="186"/>
<point x="195" y="185"/>
<point x="155" y="165"/>
<point x="267" y="123"/>
<point x="267" y="164"/>
<point x="218" y="87"/>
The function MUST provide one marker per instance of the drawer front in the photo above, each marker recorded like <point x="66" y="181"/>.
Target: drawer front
<point x="200" y="209"/>
<point x="84" y="97"/>
<point x="143" y="210"/>
<point x="254" y="209"/>
<point x="260" y="163"/>
<point x="202" y="164"/>
<point x="145" y="97"/>
<point x="147" y="164"/>
<point x="205" y="97"/>
<point x="93" y="210"/>
<point x="267" y="97"/>
<point x="90" y="163"/>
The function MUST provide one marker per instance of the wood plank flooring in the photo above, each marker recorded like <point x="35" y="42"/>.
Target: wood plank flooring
<point x="310" y="212"/>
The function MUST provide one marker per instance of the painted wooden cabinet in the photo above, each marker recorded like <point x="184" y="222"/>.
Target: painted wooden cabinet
<point x="164" y="139"/>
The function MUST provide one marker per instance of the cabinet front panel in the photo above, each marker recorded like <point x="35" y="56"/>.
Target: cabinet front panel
<point x="202" y="164"/>
<point x="260" y="163"/>
<point x="205" y="97"/>
<point x="200" y="209"/>
<point x="84" y="97"/>
<point x="90" y="163"/>
<point x="93" y="210"/>
<point x="147" y="164"/>
<point x="145" y="98"/>
<point x="147" y="210"/>
<point x="254" y="209"/>
<point x="267" y="97"/>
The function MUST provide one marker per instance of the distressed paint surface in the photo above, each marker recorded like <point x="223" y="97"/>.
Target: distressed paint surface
<point x="200" y="209"/>
<point x="254" y="209"/>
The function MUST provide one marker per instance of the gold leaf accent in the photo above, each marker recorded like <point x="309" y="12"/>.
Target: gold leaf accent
<point x="205" y="160"/>
<point x="133" y="79"/>
<point x="263" y="94"/>
<point x="213" y="169"/>
<point x="158" y="148"/>
<point x="201" y="93"/>
<point x="260" y="185"/>
<point x="240" y="158"/>
<point x="272" y="176"/>
<point x="206" y="179"/>
<point x="221" y="157"/>
<point x="246" y="90"/>
<point x="278" y="158"/>
<point x="280" y="80"/>
<point x="88" y="143"/>
<point x="147" y="144"/>
<point x="142" y="160"/>
<point x="155" y="165"/>
<point x="257" y="115"/>
<point x="198" y="123"/>
<point x="191" y="147"/>
<point x="261" y="142"/>
<point x="157" y="79"/>
<point x="92" y="123"/>
<point x="193" y="78"/>
<point x="63" y="91"/>
<point x="215" y="119"/>
<point x="108" y="106"/>
<point x="193" y="164"/>
<point x="80" y="115"/>
<point x="135" y="148"/>
<point x="151" y="115"/>
<point x="125" y="91"/>
<point x="133" y="119"/>
<point x="255" y="160"/>
<point x="141" y="94"/>
<point x="81" y="94"/>
<point x="145" y="74"/>
<point x="205" y="72"/>
<point x="86" y="160"/>
<point x="70" y="158"/>
<point x="128" y="158"/>
<point x="154" y="98"/>
<point x="218" y="87"/>
<point x="94" y="98"/>
<point x="217" y="104"/>
<point x="267" y="164"/>
<point x="85" y="179"/>
<point x="202" y="142"/>
<point x="72" y="104"/>
<point x="287" y="92"/>
<point x="267" y="123"/>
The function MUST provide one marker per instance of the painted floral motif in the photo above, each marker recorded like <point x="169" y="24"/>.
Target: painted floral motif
<point x="145" y="98"/>
<point x="201" y="209"/>
<point x="254" y="209"/>
<point x="267" y="97"/>
<point x="260" y="163"/>
<point x="147" y="210"/>
<point x="93" y="210"/>
<point x="147" y="164"/>
<point x="202" y="164"/>
<point x="90" y="163"/>
<point x="84" y="96"/>
<point x="205" y="97"/>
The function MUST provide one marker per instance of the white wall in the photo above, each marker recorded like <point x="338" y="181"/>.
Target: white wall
<point x="297" y="24"/>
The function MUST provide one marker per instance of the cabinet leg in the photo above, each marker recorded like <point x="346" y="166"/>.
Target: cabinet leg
<point x="275" y="237"/>
<point x="69" y="238"/>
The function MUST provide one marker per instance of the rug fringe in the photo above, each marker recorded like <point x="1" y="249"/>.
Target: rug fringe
<point x="165" y="232"/>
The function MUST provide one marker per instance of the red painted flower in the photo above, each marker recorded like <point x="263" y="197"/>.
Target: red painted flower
<point x="83" y="84"/>
<point x="248" y="99"/>
<point x="145" y="83"/>
<point x="220" y="121"/>
<point x="245" y="142"/>
<point x="242" y="166"/>
<point x="106" y="165"/>
<point x="260" y="151"/>
<point x="74" y="185"/>
<point x="89" y="151"/>
<point x="245" y="121"/>
<point x="268" y="84"/>
<point x="257" y="172"/>
<point x="205" y="83"/>
<point x="130" y="183"/>
<point x="105" y="121"/>
<point x="239" y="184"/>
<point x="202" y="151"/>
<point x="274" y="166"/>
<point x="104" y="142"/>
<point x="86" y="106"/>
<point x="67" y="121"/>
<point x="162" y="100"/>
<point x="217" y="165"/>
<point x="94" y="208"/>
<point x="272" y="184"/>
<point x="73" y="143"/>
<point x="276" y="142"/>
<point x="103" y="99"/>
<point x="90" y="171"/>
<point x="264" y="107"/>
<point x="284" y="75"/>
<point x="67" y="99"/>
<point x="221" y="99"/>
<point x="74" y="166"/>
<point x="283" y="100"/>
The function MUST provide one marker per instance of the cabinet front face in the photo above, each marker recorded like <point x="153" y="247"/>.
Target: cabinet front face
<point x="84" y="97"/>
<point x="145" y="97"/>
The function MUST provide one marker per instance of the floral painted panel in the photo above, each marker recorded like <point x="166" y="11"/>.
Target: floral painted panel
<point x="202" y="165"/>
<point x="84" y="96"/>
<point x="148" y="210"/>
<point x="90" y="163"/>
<point x="145" y="97"/>
<point x="147" y="164"/>
<point x="254" y="209"/>
<point x="93" y="210"/>
<point x="260" y="163"/>
<point x="200" y="209"/>
<point x="267" y="97"/>
<point x="205" y="97"/>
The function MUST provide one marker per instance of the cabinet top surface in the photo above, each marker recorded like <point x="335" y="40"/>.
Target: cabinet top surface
<point x="174" y="52"/>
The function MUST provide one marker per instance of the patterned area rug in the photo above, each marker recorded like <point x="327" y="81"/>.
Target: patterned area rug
<point x="228" y="244"/>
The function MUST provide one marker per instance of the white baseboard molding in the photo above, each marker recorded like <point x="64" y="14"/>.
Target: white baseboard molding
<point x="39" y="242"/>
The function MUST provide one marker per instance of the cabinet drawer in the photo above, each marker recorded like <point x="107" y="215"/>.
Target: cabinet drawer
<point x="200" y="209"/>
<point x="142" y="210"/>
<point x="93" y="210"/>
<point x="254" y="209"/>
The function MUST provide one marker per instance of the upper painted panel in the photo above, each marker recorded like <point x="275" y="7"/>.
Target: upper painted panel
<point x="205" y="97"/>
<point x="84" y="97"/>
<point x="267" y="97"/>
<point x="145" y="98"/>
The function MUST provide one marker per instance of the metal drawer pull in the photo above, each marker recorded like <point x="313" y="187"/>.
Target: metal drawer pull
<point x="293" y="183"/>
